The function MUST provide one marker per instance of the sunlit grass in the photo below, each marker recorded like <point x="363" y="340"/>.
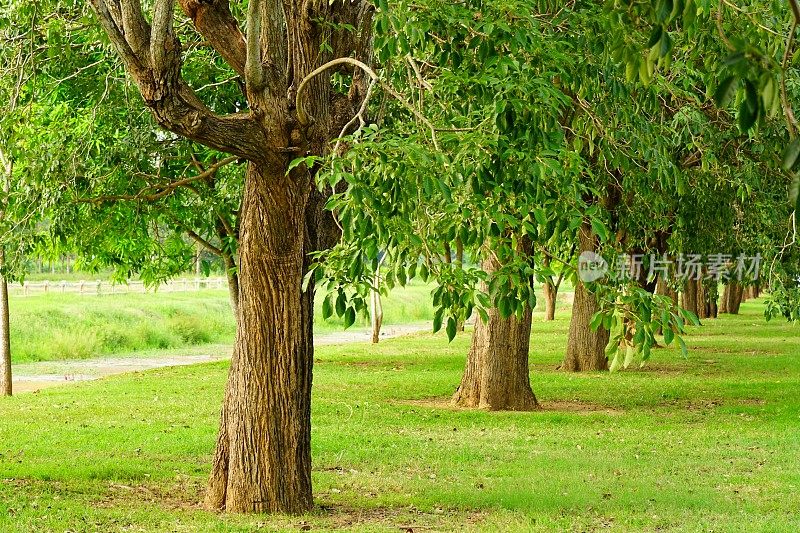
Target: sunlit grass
<point x="711" y="442"/>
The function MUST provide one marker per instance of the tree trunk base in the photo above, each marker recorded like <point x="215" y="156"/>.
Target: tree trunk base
<point x="497" y="377"/>
<point x="550" y="295"/>
<point x="585" y="347"/>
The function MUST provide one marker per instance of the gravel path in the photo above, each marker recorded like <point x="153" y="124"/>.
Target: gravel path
<point x="36" y="376"/>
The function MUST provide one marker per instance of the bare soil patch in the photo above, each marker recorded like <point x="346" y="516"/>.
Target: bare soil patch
<point x="572" y="406"/>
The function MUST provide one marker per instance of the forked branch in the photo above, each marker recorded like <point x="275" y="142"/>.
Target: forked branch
<point x="156" y="69"/>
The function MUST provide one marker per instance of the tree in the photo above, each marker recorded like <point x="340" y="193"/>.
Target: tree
<point x="506" y="179"/>
<point x="486" y="187"/>
<point x="292" y="111"/>
<point x="586" y="346"/>
<point x="6" y="387"/>
<point x="552" y="281"/>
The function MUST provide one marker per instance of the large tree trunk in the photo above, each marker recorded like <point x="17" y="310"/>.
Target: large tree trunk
<point x="726" y="295"/>
<point x="263" y="458"/>
<point x="497" y="375"/>
<point x="550" y="296"/>
<point x="712" y="298"/>
<point x="703" y="302"/>
<point x="585" y="347"/>
<point x="734" y="300"/>
<point x="690" y="294"/>
<point x="6" y="386"/>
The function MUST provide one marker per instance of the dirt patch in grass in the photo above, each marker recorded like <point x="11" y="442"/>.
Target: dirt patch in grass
<point x="579" y="407"/>
<point x="399" y="519"/>
<point x="573" y="406"/>
<point x="185" y="494"/>
<point x="697" y="405"/>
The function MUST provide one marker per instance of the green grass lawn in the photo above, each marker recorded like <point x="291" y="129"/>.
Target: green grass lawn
<point x="51" y="327"/>
<point x="708" y="443"/>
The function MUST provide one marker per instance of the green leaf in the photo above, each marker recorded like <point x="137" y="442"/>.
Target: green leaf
<point x="327" y="308"/>
<point x="596" y="321"/>
<point x="655" y="35"/>
<point x="790" y="154"/>
<point x="451" y="329"/>
<point x="751" y="97"/>
<point x="505" y="308"/>
<point x="794" y="193"/>
<point x="309" y="161"/>
<point x="349" y="317"/>
<point x="616" y="362"/>
<point x="726" y="90"/>
<point x="437" y="320"/>
<point x="684" y="349"/>
<point x="747" y="118"/>
<point x="669" y="336"/>
<point x="666" y="45"/>
<point x="600" y="230"/>
<point x="630" y="353"/>
<point x="340" y="304"/>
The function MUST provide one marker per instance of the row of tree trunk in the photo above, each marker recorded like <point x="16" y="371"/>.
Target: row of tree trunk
<point x="497" y="374"/>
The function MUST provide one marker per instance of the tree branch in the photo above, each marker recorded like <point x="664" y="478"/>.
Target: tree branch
<point x="305" y="119"/>
<point x="214" y="21"/>
<point x="134" y="26"/>
<point x="791" y="121"/>
<point x="253" y="69"/>
<point x="204" y="243"/>
<point x="163" y="12"/>
<point x="163" y="190"/>
<point x="358" y="116"/>
<point x="174" y="104"/>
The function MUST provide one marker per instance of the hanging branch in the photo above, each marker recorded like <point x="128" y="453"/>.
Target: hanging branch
<point x="305" y="119"/>
<point x="163" y="190"/>
<point x="791" y="121"/>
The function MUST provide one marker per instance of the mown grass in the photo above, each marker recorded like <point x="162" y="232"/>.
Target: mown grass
<point x="57" y="326"/>
<point x="708" y="443"/>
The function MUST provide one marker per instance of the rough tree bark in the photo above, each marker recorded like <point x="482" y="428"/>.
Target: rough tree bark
<point x="703" y="304"/>
<point x="497" y="376"/>
<point x="6" y="387"/>
<point x="585" y="347"/>
<point x="712" y="296"/>
<point x="723" y="303"/>
<point x="550" y="296"/>
<point x="263" y="459"/>
<point x="734" y="292"/>
<point x="265" y="464"/>
<point x="376" y="307"/>
<point x="550" y="290"/>
<point x="690" y="294"/>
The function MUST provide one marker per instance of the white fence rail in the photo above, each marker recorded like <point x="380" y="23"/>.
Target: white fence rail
<point x="99" y="287"/>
